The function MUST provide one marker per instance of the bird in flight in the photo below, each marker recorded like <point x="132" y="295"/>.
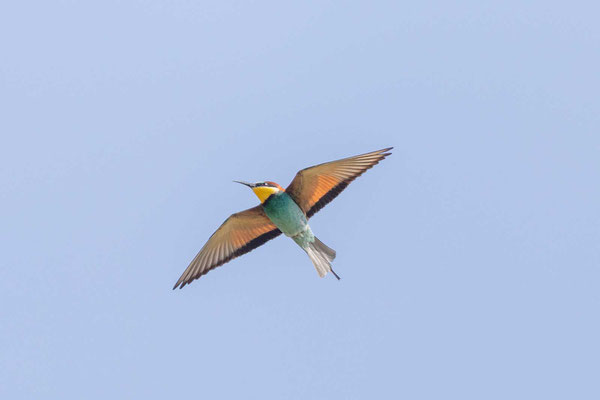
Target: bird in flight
<point x="282" y="210"/>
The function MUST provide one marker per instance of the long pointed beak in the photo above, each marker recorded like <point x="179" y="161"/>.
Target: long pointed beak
<point x="250" y="185"/>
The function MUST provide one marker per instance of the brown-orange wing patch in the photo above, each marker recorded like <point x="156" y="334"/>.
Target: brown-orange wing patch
<point x="314" y="187"/>
<point x="239" y="234"/>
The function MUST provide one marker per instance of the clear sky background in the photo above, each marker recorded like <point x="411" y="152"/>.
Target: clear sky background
<point x="470" y="258"/>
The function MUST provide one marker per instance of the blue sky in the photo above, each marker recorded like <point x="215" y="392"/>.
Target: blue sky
<point x="469" y="258"/>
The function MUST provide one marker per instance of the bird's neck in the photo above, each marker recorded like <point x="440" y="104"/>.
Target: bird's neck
<point x="264" y="192"/>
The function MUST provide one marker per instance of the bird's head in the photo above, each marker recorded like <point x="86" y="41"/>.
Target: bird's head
<point x="263" y="190"/>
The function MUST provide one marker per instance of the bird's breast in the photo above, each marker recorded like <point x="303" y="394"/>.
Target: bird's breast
<point x="285" y="214"/>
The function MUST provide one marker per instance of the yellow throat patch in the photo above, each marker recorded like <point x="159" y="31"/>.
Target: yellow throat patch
<point x="263" y="192"/>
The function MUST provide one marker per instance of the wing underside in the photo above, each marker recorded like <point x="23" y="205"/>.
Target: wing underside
<point x="241" y="233"/>
<point x="314" y="187"/>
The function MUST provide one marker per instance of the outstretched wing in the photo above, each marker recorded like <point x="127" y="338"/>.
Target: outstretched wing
<point x="314" y="187"/>
<point x="239" y="234"/>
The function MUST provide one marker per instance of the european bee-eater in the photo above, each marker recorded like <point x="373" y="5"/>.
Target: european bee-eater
<point x="282" y="210"/>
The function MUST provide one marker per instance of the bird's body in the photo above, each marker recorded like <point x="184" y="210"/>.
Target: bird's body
<point x="282" y="211"/>
<point x="285" y="214"/>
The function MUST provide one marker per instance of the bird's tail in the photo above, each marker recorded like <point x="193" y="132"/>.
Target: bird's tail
<point x="321" y="256"/>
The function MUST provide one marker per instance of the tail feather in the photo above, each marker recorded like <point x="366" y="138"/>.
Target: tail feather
<point x="321" y="256"/>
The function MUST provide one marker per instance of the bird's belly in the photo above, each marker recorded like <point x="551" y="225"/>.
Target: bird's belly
<point x="285" y="214"/>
